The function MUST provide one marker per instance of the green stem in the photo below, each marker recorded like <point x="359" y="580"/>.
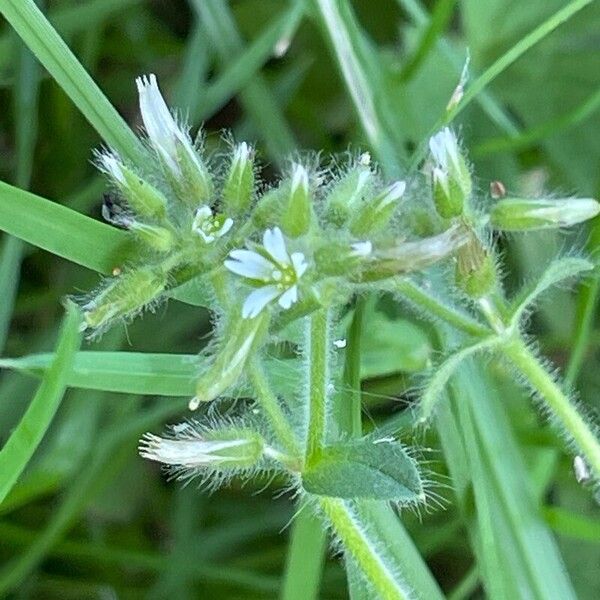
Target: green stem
<point x="272" y="408"/>
<point x="317" y="356"/>
<point x="43" y="40"/>
<point x="556" y="400"/>
<point x="588" y="299"/>
<point x="425" y="301"/>
<point x="357" y="542"/>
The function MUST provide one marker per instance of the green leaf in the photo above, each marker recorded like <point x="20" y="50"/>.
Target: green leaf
<point x="378" y="470"/>
<point x="62" y="231"/>
<point x="22" y="443"/>
<point x="390" y="346"/>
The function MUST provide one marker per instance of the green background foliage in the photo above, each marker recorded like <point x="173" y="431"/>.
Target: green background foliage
<point x="88" y="517"/>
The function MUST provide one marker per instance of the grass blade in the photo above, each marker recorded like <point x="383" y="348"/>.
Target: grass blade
<point x="43" y="40"/>
<point x="62" y="231"/>
<point x="22" y="443"/>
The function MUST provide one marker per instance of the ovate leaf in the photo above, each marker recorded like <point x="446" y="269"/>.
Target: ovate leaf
<point x="379" y="470"/>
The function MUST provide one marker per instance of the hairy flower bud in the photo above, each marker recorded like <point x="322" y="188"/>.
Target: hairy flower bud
<point x="241" y="339"/>
<point x="144" y="199"/>
<point x="475" y="269"/>
<point x="191" y="447"/>
<point x="155" y="237"/>
<point x="124" y="295"/>
<point x="375" y="213"/>
<point x="298" y="212"/>
<point x="414" y="256"/>
<point x="451" y="179"/>
<point x="239" y="184"/>
<point x="184" y="169"/>
<point x="520" y="214"/>
<point x="347" y="193"/>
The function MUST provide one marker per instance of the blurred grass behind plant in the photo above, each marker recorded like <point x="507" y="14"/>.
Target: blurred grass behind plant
<point x="89" y="518"/>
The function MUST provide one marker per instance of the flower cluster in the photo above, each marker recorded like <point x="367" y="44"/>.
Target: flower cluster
<point x="271" y="256"/>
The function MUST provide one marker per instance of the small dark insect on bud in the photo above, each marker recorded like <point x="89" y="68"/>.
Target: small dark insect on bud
<point x="497" y="190"/>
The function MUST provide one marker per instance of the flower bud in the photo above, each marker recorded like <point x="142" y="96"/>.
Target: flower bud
<point x="475" y="269"/>
<point x="340" y="258"/>
<point x="190" y="446"/>
<point x="414" y="256"/>
<point x="298" y="212"/>
<point x="241" y="339"/>
<point x="520" y="214"/>
<point x="374" y="214"/>
<point x="124" y="295"/>
<point x="346" y="193"/>
<point x="183" y="167"/>
<point x="144" y="199"/>
<point x="239" y="184"/>
<point x="451" y="179"/>
<point x="269" y="210"/>
<point x="155" y="237"/>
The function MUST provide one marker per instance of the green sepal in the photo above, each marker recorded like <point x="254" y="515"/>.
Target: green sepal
<point x="238" y="187"/>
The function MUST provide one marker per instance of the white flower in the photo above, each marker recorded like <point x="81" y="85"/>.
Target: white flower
<point x="165" y="134"/>
<point x="210" y="226"/>
<point x="189" y="451"/>
<point x="361" y="249"/>
<point x="275" y="273"/>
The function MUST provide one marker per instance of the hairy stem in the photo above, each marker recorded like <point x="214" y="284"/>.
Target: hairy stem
<point x="557" y="401"/>
<point x="318" y="376"/>
<point x="361" y="547"/>
<point x="272" y="408"/>
<point x="425" y="301"/>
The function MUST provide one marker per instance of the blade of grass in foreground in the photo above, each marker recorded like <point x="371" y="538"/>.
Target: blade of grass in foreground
<point x="43" y="40"/>
<point x="22" y="443"/>
<point x="515" y="550"/>
<point x="62" y="231"/>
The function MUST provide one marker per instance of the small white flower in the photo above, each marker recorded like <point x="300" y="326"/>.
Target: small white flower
<point x="165" y="134"/>
<point x="361" y="249"/>
<point x="190" y="451"/>
<point x="275" y="273"/>
<point x="210" y="226"/>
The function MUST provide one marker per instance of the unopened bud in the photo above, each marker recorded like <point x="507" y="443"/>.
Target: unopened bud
<point x="520" y="214"/>
<point x="269" y="210"/>
<point x="475" y="269"/>
<point x="298" y="212"/>
<point x="414" y="256"/>
<point x="376" y="213"/>
<point x="124" y="295"/>
<point x="341" y="259"/>
<point x="155" y="237"/>
<point x="347" y="193"/>
<point x="144" y="199"/>
<point x="450" y="175"/>
<point x="190" y="446"/>
<point x="239" y="184"/>
<point x="183" y="167"/>
<point x="241" y="340"/>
